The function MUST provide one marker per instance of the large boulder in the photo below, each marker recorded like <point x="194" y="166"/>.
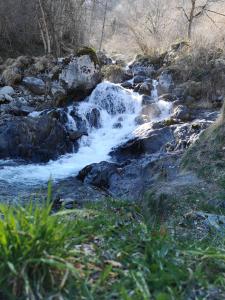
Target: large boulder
<point x="81" y="75"/>
<point x="146" y="141"/>
<point x="129" y="180"/>
<point x="99" y="174"/>
<point x="33" y="139"/>
<point x="182" y="113"/>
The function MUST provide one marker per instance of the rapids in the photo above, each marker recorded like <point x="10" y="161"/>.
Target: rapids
<point x="117" y="110"/>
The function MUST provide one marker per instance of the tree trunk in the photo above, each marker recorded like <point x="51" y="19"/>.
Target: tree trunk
<point x="191" y="18"/>
<point x="103" y="25"/>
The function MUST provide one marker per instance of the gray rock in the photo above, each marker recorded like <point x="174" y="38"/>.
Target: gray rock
<point x="139" y="79"/>
<point x="7" y="90"/>
<point x="182" y="113"/>
<point x="127" y="85"/>
<point x="35" y="85"/>
<point x="146" y="141"/>
<point x="145" y="89"/>
<point x="59" y="95"/>
<point x="147" y="100"/>
<point x="34" y="139"/>
<point x="81" y="75"/>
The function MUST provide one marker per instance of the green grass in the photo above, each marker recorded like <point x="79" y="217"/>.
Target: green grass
<point x="107" y="251"/>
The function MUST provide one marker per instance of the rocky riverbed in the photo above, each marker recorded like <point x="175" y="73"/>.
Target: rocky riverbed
<point x="61" y="119"/>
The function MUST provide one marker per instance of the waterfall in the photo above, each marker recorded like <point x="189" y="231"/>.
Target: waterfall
<point x="117" y="109"/>
<point x="108" y="116"/>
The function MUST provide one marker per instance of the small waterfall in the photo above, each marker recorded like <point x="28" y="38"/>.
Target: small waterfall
<point x="154" y="92"/>
<point x="109" y="115"/>
<point x="71" y="124"/>
<point x="164" y="106"/>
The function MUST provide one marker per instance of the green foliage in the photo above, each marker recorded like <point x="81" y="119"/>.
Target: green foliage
<point x="103" y="251"/>
<point x="88" y="51"/>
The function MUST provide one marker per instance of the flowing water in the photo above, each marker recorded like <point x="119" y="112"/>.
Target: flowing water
<point x="117" y="110"/>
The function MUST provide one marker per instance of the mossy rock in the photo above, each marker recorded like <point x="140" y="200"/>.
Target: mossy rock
<point x="90" y="52"/>
<point x="114" y="73"/>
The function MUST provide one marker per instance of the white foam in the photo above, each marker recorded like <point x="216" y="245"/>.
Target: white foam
<point x="116" y="105"/>
<point x="118" y="109"/>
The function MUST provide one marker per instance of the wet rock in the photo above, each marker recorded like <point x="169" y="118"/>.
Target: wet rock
<point x="33" y="139"/>
<point x="145" y="89"/>
<point x="93" y="118"/>
<point x="75" y="135"/>
<point x="147" y="100"/>
<point x="59" y="95"/>
<point x="117" y="125"/>
<point x="151" y="110"/>
<point x="16" y="108"/>
<point x="182" y="113"/>
<point x="98" y="174"/>
<point x="140" y="120"/>
<point x="35" y="85"/>
<point x="139" y="79"/>
<point x="127" y="85"/>
<point x="169" y="97"/>
<point x="186" y="134"/>
<point x="146" y="141"/>
<point x="129" y="180"/>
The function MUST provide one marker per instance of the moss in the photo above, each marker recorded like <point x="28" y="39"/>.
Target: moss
<point x="207" y="155"/>
<point x="113" y="73"/>
<point x="169" y="122"/>
<point x="90" y="52"/>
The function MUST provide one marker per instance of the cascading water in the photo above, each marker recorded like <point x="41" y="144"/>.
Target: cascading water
<point x="113" y="110"/>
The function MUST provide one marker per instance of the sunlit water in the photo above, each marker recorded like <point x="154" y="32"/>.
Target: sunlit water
<point x="118" y="109"/>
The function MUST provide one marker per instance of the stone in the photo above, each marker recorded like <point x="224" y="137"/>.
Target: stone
<point x="35" y="85"/>
<point x="147" y="100"/>
<point x="93" y="118"/>
<point x="146" y="141"/>
<point x="139" y="79"/>
<point x="182" y="113"/>
<point x="11" y="76"/>
<point x="127" y="85"/>
<point x="80" y="76"/>
<point x="33" y="139"/>
<point x="59" y="95"/>
<point x="145" y="89"/>
<point x="7" y="90"/>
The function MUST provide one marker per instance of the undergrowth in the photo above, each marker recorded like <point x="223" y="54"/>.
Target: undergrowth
<point x="102" y="251"/>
